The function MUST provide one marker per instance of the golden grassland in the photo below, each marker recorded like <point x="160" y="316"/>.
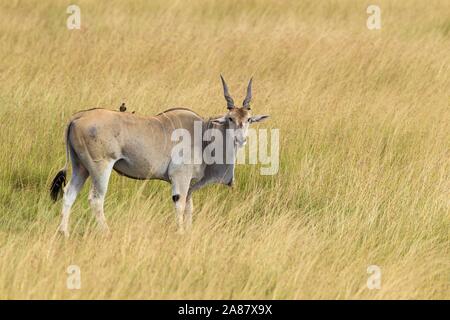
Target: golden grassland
<point x="364" y="157"/>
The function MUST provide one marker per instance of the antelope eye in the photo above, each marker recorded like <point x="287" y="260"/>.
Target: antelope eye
<point x="231" y="119"/>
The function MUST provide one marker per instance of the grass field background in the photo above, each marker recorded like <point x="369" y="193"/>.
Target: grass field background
<point x="364" y="123"/>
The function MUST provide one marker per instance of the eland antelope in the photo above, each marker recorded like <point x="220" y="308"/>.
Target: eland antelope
<point x="100" y="140"/>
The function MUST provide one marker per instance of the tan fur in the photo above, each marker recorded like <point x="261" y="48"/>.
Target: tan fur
<point x="101" y="134"/>
<point x="138" y="147"/>
<point x="239" y="116"/>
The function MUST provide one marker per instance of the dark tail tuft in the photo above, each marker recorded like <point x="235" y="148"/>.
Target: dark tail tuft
<point x="57" y="184"/>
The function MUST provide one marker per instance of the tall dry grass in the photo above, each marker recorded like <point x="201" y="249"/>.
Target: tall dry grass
<point x="364" y="176"/>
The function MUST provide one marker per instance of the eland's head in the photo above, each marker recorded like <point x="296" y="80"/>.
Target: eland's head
<point x="238" y="119"/>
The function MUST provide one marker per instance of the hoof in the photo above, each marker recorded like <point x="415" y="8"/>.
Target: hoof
<point x="63" y="233"/>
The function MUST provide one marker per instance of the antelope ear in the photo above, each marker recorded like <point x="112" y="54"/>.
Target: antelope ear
<point x="258" y="118"/>
<point x="221" y="120"/>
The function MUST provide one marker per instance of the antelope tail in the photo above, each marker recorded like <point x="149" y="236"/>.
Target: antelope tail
<point x="56" y="189"/>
